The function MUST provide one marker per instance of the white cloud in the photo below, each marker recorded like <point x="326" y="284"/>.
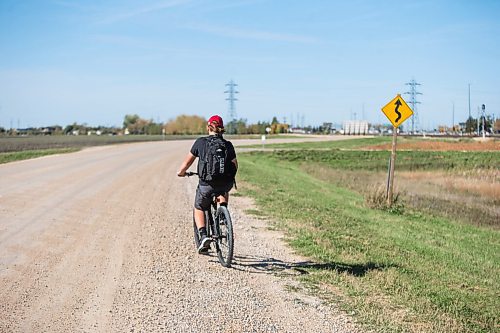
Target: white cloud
<point x="251" y="34"/>
<point x="146" y="9"/>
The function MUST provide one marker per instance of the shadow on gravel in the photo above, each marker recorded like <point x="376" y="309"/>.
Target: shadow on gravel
<point x="265" y="265"/>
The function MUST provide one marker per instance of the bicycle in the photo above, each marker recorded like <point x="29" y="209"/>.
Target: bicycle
<point x="219" y="229"/>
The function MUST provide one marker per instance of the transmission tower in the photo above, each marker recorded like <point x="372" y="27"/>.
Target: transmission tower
<point x="232" y="110"/>
<point x="413" y="101"/>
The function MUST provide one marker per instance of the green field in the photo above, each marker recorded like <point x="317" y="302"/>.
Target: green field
<point x="27" y="154"/>
<point x="399" y="270"/>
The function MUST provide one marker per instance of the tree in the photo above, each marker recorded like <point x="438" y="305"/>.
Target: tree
<point x="185" y="124"/>
<point x="130" y="119"/>
<point x="77" y="129"/>
<point x="138" y="125"/>
<point x="231" y="127"/>
<point x="496" y="127"/>
<point x="241" y="126"/>
<point x="153" y="128"/>
<point x="259" y="128"/>
<point x="470" y="125"/>
<point x="277" y="128"/>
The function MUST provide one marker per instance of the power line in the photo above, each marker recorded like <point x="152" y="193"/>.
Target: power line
<point x="413" y="101"/>
<point x="232" y="110"/>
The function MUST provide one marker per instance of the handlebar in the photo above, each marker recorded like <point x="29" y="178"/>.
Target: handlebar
<point x="189" y="173"/>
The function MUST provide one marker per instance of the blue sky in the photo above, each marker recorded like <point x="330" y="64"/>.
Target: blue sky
<point x="66" y="61"/>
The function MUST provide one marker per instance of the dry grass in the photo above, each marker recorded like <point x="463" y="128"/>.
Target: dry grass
<point x="472" y="196"/>
<point x="448" y="145"/>
<point x="478" y="182"/>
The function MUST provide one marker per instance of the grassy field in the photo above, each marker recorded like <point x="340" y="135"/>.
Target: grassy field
<point x="27" y="154"/>
<point x="403" y="270"/>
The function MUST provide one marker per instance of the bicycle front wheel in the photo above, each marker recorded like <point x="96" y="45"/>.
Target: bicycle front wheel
<point x="225" y="239"/>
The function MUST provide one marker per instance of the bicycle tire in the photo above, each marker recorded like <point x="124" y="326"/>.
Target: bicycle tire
<point x="225" y="241"/>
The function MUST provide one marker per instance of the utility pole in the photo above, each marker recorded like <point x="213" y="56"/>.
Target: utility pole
<point x="484" y="119"/>
<point x="232" y="110"/>
<point x="413" y="101"/>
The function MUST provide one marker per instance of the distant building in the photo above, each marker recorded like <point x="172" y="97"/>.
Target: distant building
<point x="355" y="127"/>
<point x="297" y="130"/>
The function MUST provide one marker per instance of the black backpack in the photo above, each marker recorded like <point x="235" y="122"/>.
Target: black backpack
<point x="214" y="166"/>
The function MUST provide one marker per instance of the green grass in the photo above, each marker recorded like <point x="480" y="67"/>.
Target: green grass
<point x="406" y="272"/>
<point x="378" y="160"/>
<point x="27" y="154"/>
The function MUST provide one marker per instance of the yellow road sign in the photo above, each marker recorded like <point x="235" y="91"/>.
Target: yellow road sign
<point x="397" y="111"/>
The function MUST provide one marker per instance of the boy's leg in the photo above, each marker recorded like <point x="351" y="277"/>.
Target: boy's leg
<point x="201" y="202"/>
<point x="223" y="199"/>
<point x="199" y="218"/>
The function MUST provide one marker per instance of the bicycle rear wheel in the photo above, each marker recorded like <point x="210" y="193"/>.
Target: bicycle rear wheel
<point x="225" y="241"/>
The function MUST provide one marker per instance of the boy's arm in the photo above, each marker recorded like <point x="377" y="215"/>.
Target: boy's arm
<point x="186" y="164"/>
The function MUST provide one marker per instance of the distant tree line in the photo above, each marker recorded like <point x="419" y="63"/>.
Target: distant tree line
<point x="185" y="124"/>
<point x="133" y="124"/>
<point x="471" y="125"/>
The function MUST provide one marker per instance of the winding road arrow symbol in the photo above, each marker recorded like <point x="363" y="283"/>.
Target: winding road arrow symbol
<point x="398" y="104"/>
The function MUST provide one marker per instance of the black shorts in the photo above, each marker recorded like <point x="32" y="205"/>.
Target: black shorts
<point x="203" y="197"/>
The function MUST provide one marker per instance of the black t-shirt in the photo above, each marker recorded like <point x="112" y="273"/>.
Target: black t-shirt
<point x="199" y="148"/>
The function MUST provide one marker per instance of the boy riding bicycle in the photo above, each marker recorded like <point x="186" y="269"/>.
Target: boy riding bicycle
<point x="217" y="166"/>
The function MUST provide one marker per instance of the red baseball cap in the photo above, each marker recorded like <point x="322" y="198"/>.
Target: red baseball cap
<point x="216" y="120"/>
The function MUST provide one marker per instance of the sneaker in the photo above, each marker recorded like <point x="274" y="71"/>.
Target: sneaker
<point x="204" y="244"/>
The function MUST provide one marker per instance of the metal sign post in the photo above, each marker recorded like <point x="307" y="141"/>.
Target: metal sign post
<point x="397" y="111"/>
<point x="391" y="166"/>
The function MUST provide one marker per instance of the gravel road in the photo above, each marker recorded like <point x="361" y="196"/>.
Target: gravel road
<point x="101" y="241"/>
